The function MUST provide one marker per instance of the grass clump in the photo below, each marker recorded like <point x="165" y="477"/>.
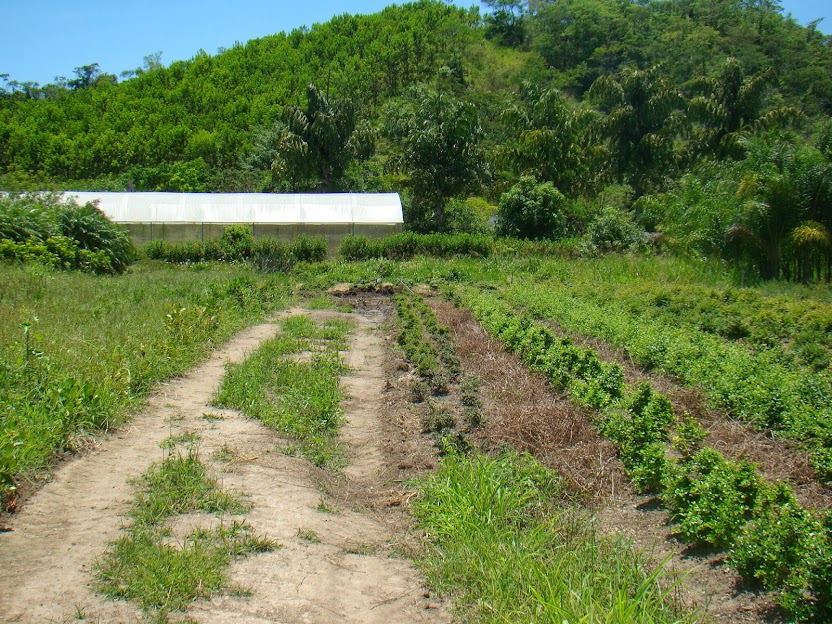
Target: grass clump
<point x="502" y="544"/>
<point x="161" y="577"/>
<point x="300" y="398"/>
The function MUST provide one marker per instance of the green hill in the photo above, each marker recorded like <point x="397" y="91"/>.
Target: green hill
<point x="658" y="98"/>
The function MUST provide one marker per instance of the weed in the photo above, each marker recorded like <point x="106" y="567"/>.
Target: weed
<point x="325" y="507"/>
<point x="225" y="454"/>
<point x="160" y="578"/>
<point x="308" y="535"/>
<point x="500" y="543"/>
<point x="363" y="550"/>
<point x="300" y="399"/>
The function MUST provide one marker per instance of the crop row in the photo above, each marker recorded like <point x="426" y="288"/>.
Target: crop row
<point x="798" y="328"/>
<point x="715" y="501"/>
<point x="426" y="344"/>
<point x="754" y="385"/>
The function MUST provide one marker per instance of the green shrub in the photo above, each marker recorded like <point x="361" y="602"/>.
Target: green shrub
<point x="94" y="232"/>
<point x="409" y="244"/>
<point x="309" y="249"/>
<point x="272" y="256"/>
<point x="66" y="236"/>
<point x="530" y="210"/>
<point x="776" y="547"/>
<point x="614" y="230"/>
<point x="712" y="498"/>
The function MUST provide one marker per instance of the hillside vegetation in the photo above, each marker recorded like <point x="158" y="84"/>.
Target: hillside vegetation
<point x="707" y="120"/>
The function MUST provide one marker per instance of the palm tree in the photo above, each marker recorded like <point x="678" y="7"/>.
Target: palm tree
<point x="787" y="187"/>
<point x="316" y="144"/>
<point x="731" y="105"/>
<point x="643" y="119"/>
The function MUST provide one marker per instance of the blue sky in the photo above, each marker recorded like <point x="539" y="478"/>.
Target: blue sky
<point x="43" y="39"/>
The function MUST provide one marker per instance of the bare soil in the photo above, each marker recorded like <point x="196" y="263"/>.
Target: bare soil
<point x="343" y="543"/>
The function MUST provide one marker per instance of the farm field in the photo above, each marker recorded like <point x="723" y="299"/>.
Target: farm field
<point x="644" y="421"/>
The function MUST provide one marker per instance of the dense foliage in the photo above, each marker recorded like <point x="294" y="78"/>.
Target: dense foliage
<point x="62" y="235"/>
<point x="712" y="116"/>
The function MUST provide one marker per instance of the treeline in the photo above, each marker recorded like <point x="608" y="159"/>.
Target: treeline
<point x="706" y="120"/>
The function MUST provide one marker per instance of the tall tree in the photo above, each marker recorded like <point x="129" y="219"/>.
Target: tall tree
<point x="556" y="142"/>
<point x="643" y="119"/>
<point x="729" y="106"/>
<point x="787" y="191"/>
<point x="318" y="142"/>
<point x="438" y="139"/>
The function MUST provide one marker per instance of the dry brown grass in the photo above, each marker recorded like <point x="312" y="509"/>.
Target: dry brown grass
<point x="522" y="410"/>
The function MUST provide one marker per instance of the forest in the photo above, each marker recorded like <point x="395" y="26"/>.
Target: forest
<point x="697" y="126"/>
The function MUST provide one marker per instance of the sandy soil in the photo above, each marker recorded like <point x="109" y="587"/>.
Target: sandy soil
<point x="339" y="559"/>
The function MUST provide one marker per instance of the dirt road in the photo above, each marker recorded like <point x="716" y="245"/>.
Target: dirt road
<point x="339" y="561"/>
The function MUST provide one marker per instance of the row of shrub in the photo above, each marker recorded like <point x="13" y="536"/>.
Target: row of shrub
<point x="756" y="385"/>
<point x="799" y="328"/>
<point x="409" y="244"/>
<point x="715" y="501"/>
<point x="237" y="244"/>
<point x="426" y="344"/>
<point x="61" y="235"/>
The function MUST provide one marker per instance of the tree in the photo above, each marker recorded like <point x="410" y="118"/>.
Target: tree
<point x="85" y="76"/>
<point x="506" y="22"/>
<point x="787" y="194"/>
<point x="438" y="139"/>
<point x="643" y="119"/>
<point x="730" y="106"/>
<point x="317" y="144"/>
<point x="555" y="142"/>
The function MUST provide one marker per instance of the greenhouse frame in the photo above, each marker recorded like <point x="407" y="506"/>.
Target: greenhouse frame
<point x="201" y="216"/>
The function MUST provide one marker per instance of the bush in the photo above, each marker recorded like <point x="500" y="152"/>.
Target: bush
<point x="40" y="228"/>
<point x="236" y="242"/>
<point x="614" y="230"/>
<point x="712" y="498"/>
<point x="532" y="211"/>
<point x="409" y="244"/>
<point x="272" y="256"/>
<point x="775" y="548"/>
<point x="309" y="249"/>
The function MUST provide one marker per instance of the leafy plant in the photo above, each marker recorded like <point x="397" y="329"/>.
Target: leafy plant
<point x="711" y="498"/>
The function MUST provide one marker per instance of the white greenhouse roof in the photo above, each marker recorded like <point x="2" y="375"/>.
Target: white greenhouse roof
<point x="325" y="208"/>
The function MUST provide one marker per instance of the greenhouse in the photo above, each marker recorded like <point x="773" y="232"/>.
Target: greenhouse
<point x="201" y="216"/>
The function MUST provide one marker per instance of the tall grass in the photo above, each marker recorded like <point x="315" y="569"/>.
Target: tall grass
<point x="298" y="397"/>
<point x="78" y="352"/>
<point x="147" y="568"/>
<point x="499" y="542"/>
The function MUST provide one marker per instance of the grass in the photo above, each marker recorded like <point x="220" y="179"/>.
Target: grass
<point x="500" y="544"/>
<point x="300" y="398"/>
<point x="79" y="352"/>
<point x="160" y="577"/>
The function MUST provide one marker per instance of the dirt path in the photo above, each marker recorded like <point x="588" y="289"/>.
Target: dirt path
<point x="335" y="564"/>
